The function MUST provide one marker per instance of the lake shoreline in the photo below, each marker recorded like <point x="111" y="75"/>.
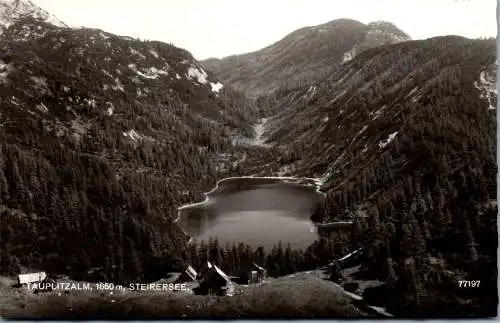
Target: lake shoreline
<point x="296" y="180"/>
<point x="219" y="187"/>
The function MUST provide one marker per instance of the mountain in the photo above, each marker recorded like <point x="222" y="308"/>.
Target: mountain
<point x="16" y="10"/>
<point x="403" y="138"/>
<point x="304" y="56"/>
<point x="103" y="137"/>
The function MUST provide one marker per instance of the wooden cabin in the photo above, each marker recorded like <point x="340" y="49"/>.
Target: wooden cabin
<point x="213" y="281"/>
<point x="31" y="278"/>
<point x="257" y="274"/>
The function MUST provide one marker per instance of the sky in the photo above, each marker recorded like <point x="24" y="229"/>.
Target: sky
<point x="218" y="28"/>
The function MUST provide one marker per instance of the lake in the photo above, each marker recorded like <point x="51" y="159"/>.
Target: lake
<point x="255" y="211"/>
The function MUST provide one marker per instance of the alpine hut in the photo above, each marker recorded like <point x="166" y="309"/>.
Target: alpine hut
<point x="257" y="274"/>
<point x="213" y="281"/>
<point x="31" y="278"/>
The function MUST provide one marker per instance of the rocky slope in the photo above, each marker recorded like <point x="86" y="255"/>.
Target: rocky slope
<point x="15" y="10"/>
<point x="304" y="56"/>
<point x="85" y="68"/>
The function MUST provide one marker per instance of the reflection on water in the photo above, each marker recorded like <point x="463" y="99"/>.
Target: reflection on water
<point x="259" y="215"/>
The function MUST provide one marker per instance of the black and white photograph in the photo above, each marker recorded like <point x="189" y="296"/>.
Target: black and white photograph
<point x="236" y="159"/>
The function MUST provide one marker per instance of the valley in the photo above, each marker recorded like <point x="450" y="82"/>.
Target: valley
<point x="126" y="149"/>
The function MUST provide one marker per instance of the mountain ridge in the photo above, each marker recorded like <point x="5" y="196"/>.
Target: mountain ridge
<point x="305" y="55"/>
<point x="105" y="136"/>
<point x="15" y="10"/>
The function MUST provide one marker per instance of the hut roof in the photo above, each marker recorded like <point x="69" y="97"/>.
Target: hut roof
<point x="258" y="267"/>
<point x="221" y="273"/>
<point x="191" y="272"/>
<point x="32" y="277"/>
<point x="350" y="255"/>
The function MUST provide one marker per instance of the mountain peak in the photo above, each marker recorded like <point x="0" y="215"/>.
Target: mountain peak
<point x="303" y="56"/>
<point x="343" y="21"/>
<point x="382" y="23"/>
<point x="388" y="28"/>
<point x="14" y="10"/>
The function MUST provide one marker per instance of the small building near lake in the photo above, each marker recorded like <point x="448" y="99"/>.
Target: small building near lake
<point x="213" y="281"/>
<point x="257" y="274"/>
<point x="31" y="278"/>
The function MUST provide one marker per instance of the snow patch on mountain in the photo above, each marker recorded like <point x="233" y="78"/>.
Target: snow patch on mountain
<point x="5" y="69"/>
<point x="387" y="141"/>
<point x="487" y="87"/>
<point x="149" y="73"/>
<point x="13" y="10"/>
<point x="349" y="55"/>
<point x="197" y="73"/>
<point x="216" y="87"/>
<point x="154" y="72"/>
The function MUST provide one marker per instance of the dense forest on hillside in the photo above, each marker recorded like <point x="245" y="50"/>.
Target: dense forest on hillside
<point x="72" y="209"/>
<point x="96" y="157"/>
<point x="236" y="259"/>
<point x="429" y="198"/>
<point x="91" y="177"/>
<point x="404" y="137"/>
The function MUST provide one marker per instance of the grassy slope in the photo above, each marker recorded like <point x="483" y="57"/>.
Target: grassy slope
<point x="293" y="296"/>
